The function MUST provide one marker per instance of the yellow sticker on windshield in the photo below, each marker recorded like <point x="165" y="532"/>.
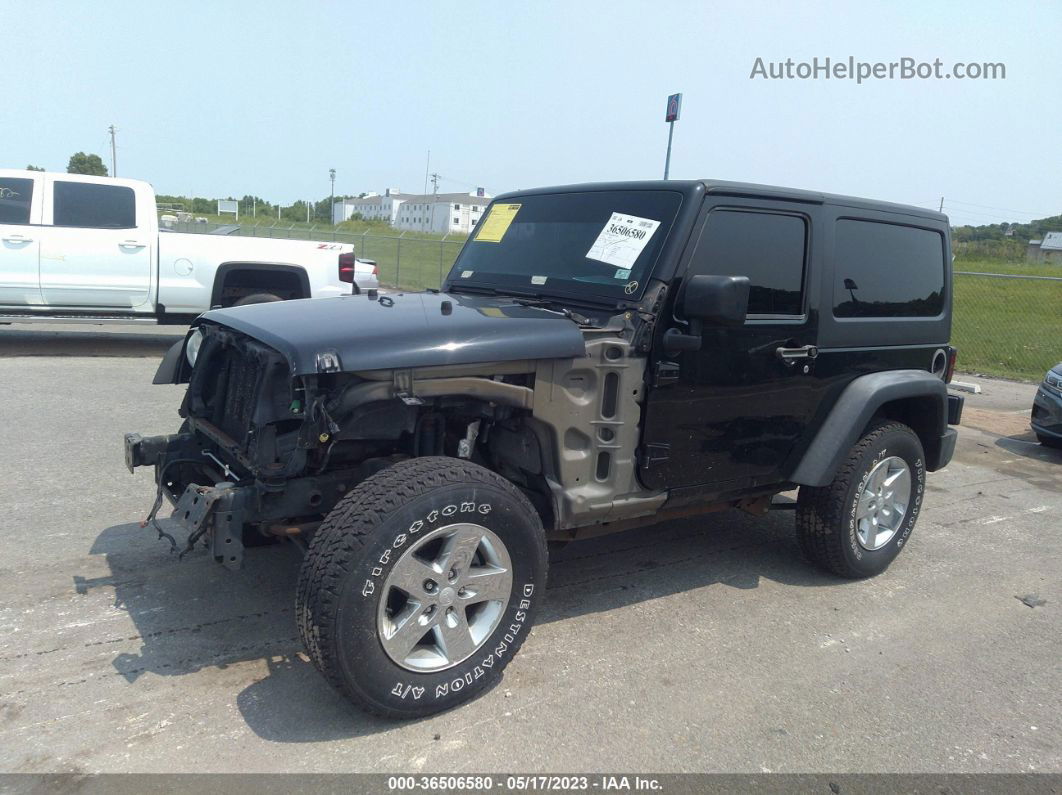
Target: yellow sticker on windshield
<point x="497" y="222"/>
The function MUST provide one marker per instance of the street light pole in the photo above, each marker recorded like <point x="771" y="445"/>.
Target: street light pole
<point x="332" y="203"/>
<point x="667" y="161"/>
<point x="674" y="108"/>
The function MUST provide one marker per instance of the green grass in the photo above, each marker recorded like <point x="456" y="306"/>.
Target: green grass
<point x="1007" y="327"/>
<point x="408" y="263"/>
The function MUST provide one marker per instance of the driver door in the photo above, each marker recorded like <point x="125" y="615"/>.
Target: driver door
<point x="732" y="414"/>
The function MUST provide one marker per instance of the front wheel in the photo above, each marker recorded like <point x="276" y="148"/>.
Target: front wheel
<point x="421" y="585"/>
<point x="857" y="525"/>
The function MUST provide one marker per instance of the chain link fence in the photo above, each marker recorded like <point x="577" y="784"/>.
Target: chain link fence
<point x="1007" y="325"/>
<point x="407" y="263"/>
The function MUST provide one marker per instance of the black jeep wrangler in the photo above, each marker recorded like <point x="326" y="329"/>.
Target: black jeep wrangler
<point x="600" y="357"/>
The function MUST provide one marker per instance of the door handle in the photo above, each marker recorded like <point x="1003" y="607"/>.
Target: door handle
<point x="791" y="355"/>
<point x="132" y="244"/>
<point x="18" y="239"/>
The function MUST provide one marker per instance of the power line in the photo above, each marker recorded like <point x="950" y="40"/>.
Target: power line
<point x="458" y="182"/>
<point x="1002" y="209"/>
<point x="972" y="213"/>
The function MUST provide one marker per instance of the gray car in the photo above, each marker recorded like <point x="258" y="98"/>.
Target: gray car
<point x="1047" y="409"/>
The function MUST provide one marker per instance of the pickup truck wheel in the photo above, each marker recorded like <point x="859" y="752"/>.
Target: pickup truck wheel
<point x="858" y="524"/>
<point x="258" y="298"/>
<point x="421" y="585"/>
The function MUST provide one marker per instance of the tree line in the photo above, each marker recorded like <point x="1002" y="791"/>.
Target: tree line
<point x="256" y="206"/>
<point x="1005" y="241"/>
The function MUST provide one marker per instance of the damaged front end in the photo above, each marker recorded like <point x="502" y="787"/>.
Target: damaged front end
<point x="264" y="453"/>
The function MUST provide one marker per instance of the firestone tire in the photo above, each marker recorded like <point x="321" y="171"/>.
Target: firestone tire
<point x="856" y="526"/>
<point x="364" y="583"/>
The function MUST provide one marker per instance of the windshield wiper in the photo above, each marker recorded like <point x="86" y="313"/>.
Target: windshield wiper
<point x="541" y="303"/>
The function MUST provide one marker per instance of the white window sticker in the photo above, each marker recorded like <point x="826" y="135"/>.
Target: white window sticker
<point x="467" y="274"/>
<point x="622" y="273"/>
<point x="622" y="240"/>
<point x="538" y="280"/>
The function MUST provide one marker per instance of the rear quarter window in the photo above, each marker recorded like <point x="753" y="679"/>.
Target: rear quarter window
<point x="887" y="270"/>
<point x="84" y="204"/>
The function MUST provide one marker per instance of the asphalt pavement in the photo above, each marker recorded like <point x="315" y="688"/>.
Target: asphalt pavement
<point x="706" y="644"/>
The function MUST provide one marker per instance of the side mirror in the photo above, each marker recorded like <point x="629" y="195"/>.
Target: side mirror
<point x="719" y="300"/>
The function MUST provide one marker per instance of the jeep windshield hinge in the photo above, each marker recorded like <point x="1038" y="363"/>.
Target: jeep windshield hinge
<point x="665" y="373"/>
<point x="654" y="453"/>
<point x="403" y="383"/>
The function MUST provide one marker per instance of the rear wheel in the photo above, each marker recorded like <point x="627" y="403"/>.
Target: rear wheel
<point x="258" y="298"/>
<point x="857" y="525"/>
<point x="421" y="585"/>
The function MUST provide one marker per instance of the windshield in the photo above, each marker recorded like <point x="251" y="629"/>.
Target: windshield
<point x="598" y="243"/>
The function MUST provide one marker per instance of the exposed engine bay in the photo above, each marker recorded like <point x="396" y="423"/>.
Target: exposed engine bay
<point x="262" y="451"/>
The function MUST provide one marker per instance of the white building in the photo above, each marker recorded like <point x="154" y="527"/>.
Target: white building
<point x="371" y="207"/>
<point x="440" y="213"/>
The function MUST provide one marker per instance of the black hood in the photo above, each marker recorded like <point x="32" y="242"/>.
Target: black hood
<point x="403" y="330"/>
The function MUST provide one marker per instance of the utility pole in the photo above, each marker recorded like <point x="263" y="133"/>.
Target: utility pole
<point x="941" y="204"/>
<point x="114" y="157"/>
<point x="332" y="204"/>
<point x="434" y="199"/>
<point x="427" y="166"/>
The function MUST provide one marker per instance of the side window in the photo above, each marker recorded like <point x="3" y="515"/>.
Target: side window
<point x="887" y="270"/>
<point x="16" y="195"/>
<point x="87" y="205"/>
<point x="769" y="248"/>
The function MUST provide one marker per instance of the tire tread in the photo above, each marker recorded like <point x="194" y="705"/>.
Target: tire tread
<point x="821" y="509"/>
<point x="338" y="542"/>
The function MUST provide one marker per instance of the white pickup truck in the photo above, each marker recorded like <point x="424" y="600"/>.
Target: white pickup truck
<point x="89" y="249"/>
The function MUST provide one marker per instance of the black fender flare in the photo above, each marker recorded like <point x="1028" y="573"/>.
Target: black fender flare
<point x="171" y="366"/>
<point x="266" y="267"/>
<point x="854" y="409"/>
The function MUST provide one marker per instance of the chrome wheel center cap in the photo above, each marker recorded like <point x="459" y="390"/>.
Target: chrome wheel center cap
<point x="447" y="596"/>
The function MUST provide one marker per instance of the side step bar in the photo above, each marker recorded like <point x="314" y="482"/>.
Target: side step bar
<point x="94" y="320"/>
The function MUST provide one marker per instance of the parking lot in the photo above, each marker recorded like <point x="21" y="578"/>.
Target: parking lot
<point x="700" y="645"/>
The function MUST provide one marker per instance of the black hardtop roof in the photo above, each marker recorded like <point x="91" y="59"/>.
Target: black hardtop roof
<point x="725" y="188"/>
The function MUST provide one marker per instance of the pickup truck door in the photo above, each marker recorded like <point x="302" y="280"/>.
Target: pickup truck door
<point x="732" y="414"/>
<point x="97" y="250"/>
<point x="20" y="246"/>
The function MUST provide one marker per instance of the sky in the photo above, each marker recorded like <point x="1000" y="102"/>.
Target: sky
<point x="234" y="98"/>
